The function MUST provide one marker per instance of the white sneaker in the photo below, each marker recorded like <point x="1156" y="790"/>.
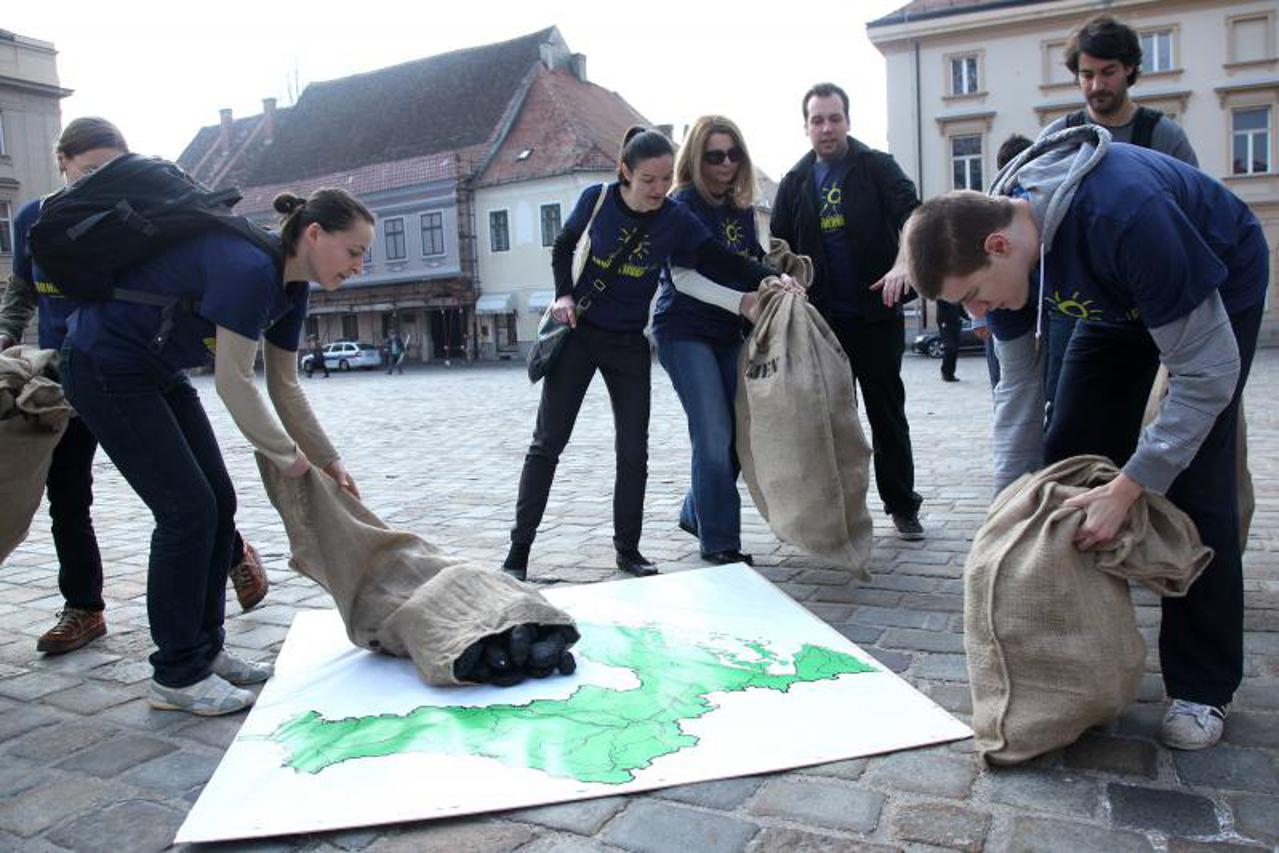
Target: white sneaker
<point x="1189" y="725"/>
<point x="210" y="697"/>
<point x="240" y="671"/>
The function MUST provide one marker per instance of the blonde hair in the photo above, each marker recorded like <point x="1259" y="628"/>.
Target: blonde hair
<point x="688" y="167"/>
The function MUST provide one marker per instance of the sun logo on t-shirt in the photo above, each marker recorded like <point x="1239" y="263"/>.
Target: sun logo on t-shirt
<point x="1075" y="306"/>
<point x="832" y="213"/>
<point x="733" y="234"/>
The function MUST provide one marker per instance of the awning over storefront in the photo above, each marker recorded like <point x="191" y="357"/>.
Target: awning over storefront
<point x="539" y="299"/>
<point x="495" y="303"/>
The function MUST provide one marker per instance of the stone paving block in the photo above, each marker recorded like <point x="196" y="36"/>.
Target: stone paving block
<point x="795" y="841"/>
<point x="36" y="809"/>
<point x="1185" y="845"/>
<point x="19" y="720"/>
<point x="850" y="769"/>
<point x="585" y="817"/>
<point x="894" y="617"/>
<point x="862" y="635"/>
<point x="895" y="661"/>
<point x="1142" y="719"/>
<point x="941" y="825"/>
<point x="134" y="826"/>
<point x="17" y="775"/>
<point x="1038" y="835"/>
<point x="939" y="667"/>
<point x="935" y="601"/>
<point x="1170" y="812"/>
<point x="1122" y="756"/>
<point x="828" y="612"/>
<point x="914" y="640"/>
<point x="1229" y="767"/>
<point x="113" y="757"/>
<point x="924" y="772"/>
<point x="830" y="804"/>
<point x="724" y="794"/>
<point x="956" y="698"/>
<point x="1252" y="728"/>
<point x="1257" y="817"/>
<point x="217" y="732"/>
<point x="52" y="743"/>
<point x="123" y="672"/>
<point x="75" y="663"/>
<point x="1044" y="790"/>
<point x="174" y="774"/>
<point x="35" y="685"/>
<point x="87" y="697"/>
<point x="454" y="837"/>
<point x="558" y="842"/>
<point x="654" y="826"/>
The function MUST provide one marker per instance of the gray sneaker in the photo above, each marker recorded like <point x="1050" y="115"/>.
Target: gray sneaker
<point x="908" y="526"/>
<point x="239" y="671"/>
<point x="211" y="697"/>
<point x="1189" y="725"/>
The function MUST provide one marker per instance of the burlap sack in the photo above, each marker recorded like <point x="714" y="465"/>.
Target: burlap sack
<point x="396" y="592"/>
<point x="804" y="456"/>
<point x="1244" y="493"/>
<point x="33" y="417"/>
<point x="1050" y="632"/>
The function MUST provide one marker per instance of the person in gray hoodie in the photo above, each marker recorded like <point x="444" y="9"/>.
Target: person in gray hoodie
<point x="1174" y="267"/>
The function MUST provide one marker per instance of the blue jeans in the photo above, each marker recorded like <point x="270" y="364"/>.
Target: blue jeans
<point x="705" y="378"/>
<point x="150" y="422"/>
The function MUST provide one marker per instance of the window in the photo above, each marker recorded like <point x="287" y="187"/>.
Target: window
<point x="499" y="232"/>
<point x="350" y="327"/>
<point x="1252" y="38"/>
<point x="1156" y="51"/>
<point x="6" y="229"/>
<point x="432" y="234"/>
<point x="1251" y="144"/>
<point x="394" y="231"/>
<point x="3" y="150"/>
<point x="963" y="75"/>
<point x="965" y="158"/>
<point x="505" y="331"/>
<point x="550" y="223"/>
<point x="1054" y="61"/>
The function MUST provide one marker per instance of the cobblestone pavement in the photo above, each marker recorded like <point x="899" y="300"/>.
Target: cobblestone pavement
<point x="86" y="765"/>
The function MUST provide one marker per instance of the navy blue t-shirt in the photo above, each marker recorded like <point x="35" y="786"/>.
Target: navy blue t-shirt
<point x="679" y="316"/>
<point x="629" y="281"/>
<point x="828" y="180"/>
<point x="231" y="282"/>
<point x="1146" y="239"/>
<point x="54" y="309"/>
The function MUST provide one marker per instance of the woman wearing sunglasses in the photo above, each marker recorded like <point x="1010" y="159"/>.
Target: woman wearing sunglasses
<point x="633" y="235"/>
<point x="699" y="331"/>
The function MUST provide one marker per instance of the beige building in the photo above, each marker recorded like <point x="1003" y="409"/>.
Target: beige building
<point x="30" y="118"/>
<point x="965" y="74"/>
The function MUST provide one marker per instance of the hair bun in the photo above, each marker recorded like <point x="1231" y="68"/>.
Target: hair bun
<point x="286" y="203"/>
<point x="632" y="132"/>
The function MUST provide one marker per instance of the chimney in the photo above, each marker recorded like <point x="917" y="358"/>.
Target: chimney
<point x="579" y="66"/>
<point x="667" y="130"/>
<point x="268" y="118"/>
<point x="226" y="127"/>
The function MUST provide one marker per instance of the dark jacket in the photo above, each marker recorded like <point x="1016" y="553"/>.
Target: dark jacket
<point x="878" y="198"/>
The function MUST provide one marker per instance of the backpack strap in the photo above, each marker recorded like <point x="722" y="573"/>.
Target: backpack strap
<point x="1143" y="126"/>
<point x="1076" y="119"/>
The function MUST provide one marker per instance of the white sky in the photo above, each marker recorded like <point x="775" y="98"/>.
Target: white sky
<point x="162" y="70"/>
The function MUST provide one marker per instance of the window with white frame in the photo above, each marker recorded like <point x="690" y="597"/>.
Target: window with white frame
<point x="963" y="75"/>
<point x="499" y="231"/>
<point x="432" y="233"/>
<point x="1250" y="127"/>
<point x="550" y="223"/>
<point x="393" y="231"/>
<point x="6" y="228"/>
<point x="1252" y="38"/>
<point x="1156" y="51"/>
<point x="965" y="160"/>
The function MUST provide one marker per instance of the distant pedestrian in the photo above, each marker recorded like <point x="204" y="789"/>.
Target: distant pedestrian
<point x="395" y="354"/>
<point x="950" y="323"/>
<point x="317" y="361"/>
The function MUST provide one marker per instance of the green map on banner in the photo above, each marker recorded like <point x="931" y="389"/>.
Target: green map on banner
<point x="597" y="734"/>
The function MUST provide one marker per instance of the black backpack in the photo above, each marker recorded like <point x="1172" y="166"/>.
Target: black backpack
<point x="131" y="209"/>
<point x="1143" y="127"/>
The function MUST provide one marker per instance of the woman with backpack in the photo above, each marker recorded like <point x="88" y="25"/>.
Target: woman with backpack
<point x="633" y="229"/>
<point x="125" y="374"/>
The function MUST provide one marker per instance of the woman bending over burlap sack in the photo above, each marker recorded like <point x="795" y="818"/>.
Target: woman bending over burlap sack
<point x="33" y="416"/>
<point x="1051" y="636"/>
<point x="399" y="594"/>
<point x="801" y="446"/>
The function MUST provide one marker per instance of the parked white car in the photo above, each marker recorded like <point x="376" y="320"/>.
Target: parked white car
<point x="344" y="355"/>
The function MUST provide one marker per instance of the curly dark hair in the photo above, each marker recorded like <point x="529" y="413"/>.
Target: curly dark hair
<point x="1105" y="38"/>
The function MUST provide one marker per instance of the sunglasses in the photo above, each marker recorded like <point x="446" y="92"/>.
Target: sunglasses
<point x="715" y="156"/>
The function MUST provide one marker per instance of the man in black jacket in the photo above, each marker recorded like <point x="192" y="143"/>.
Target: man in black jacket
<point x="844" y="204"/>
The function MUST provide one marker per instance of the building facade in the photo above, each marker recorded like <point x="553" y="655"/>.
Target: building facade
<point x="963" y="75"/>
<point x="30" y="120"/>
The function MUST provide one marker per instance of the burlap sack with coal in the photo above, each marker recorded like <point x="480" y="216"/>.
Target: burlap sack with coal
<point x="33" y="417"/>
<point x="1051" y="635"/>
<point x="396" y="592"/>
<point x="1244" y="493"/>
<point x="803" y="454"/>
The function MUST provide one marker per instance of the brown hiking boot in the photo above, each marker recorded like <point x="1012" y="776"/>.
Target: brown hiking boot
<point x="75" y="628"/>
<point x="249" y="578"/>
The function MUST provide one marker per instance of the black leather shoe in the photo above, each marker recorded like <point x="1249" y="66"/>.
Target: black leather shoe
<point x="723" y="558"/>
<point x="634" y="563"/>
<point x="687" y="528"/>
<point x="516" y="562"/>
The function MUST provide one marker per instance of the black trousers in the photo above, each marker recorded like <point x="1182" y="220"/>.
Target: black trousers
<point x="875" y="354"/>
<point x="69" y="485"/>
<point x="624" y="359"/>
<point x="949" y="332"/>
<point x="1105" y="379"/>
